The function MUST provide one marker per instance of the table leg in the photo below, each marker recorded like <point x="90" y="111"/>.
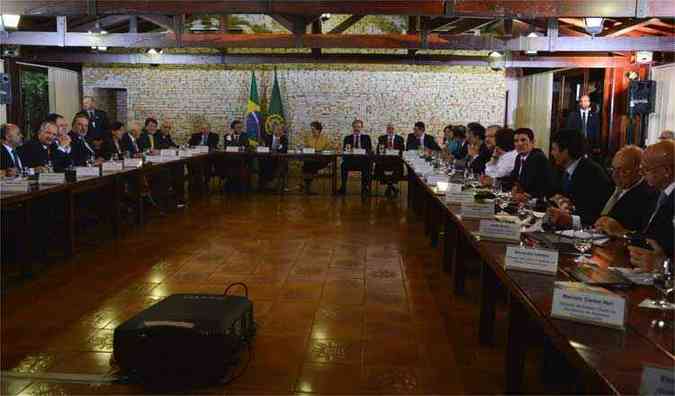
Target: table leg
<point x="488" y="302"/>
<point x="516" y="348"/>
<point x="115" y="204"/>
<point x="460" y="264"/>
<point x="178" y="182"/>
<point x="69" y="223"/>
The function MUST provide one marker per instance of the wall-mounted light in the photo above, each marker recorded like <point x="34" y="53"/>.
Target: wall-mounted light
<point x="532" y="52"/>
<point x="632" y="75"/>
<point x="325" y="17"/>
<point x="97" y="30"/>
<point x="496" y="60"/>
<point x="153" y="51"/>
<point x="97" y="48"/>
<point x="9" y="21"/>
<point x="643" y="57"/>
<point x="594" y="25"/>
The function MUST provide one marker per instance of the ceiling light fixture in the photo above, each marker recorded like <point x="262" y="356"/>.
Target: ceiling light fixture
<point x="594" y="25"/>
<point x="532" y="52"/>
<point x="153" y="51"/>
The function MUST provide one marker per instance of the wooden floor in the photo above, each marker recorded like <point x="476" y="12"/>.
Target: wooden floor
<point x="348" y="294"/>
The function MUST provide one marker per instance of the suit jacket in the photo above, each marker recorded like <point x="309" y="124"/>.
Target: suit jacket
<point x="211" y="141"/>
<point x="574" y="121"/>
<point x="282" y="144"/>
<point x="81" y="150"/>
<point x="383" y="141"/>
<point x="364" y="142"/>
<point x="34" y="154"/>
<point x="477" y="164"/>
<point x="589" y="190"/>
<point x="633" y="209"/>
<point x="413" y="142"/>
<point x="660" y="228"/>
<point x="128" y="145"/>
<point x="108" y="149"/>
<point x="98" y="125"/>
<point x="241" y="141"/>
<point x="163" y="142"/>
<point x="144" y="141"/>
<point x="536" y="177"/>
<point x="6" y="159"/>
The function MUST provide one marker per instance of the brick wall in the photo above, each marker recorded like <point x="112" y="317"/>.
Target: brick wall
<point x="334" y="95"/>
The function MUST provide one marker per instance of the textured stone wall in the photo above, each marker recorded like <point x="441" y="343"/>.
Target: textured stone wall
<point x="334" y="95"/>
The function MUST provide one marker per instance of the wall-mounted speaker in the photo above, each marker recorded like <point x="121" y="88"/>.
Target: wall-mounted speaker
<point x="641" y="97"/>
<point x="5" y="89"/>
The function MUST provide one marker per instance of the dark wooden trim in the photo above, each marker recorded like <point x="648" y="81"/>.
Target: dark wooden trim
<point x="346" y="24"/>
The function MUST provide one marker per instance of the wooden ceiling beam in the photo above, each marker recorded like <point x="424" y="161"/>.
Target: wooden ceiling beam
<point x="466" y="24"/>
<point x="162" y="21"/>
<point x="103" y="22"/>
<point x="560" y="8"/>
<point x="439" y="23"/>
<point x="346" y="24"/>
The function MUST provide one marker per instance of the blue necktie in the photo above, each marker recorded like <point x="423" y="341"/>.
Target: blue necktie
<point x="16" y="160"/>
<point x="567" y="182"/>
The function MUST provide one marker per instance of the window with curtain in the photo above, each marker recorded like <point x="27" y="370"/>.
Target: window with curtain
<point x="535" y="97"/>
<point x="664" y="109"/>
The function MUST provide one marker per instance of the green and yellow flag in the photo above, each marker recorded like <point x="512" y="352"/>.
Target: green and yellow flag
<point x="253" y="115"/>
<point x="275" y="113"/>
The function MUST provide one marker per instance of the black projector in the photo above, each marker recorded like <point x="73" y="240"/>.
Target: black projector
<point x="185" y="338"/>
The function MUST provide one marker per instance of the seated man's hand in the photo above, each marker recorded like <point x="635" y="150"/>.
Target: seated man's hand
<point x="40" y="169"/>
<point x="64" y="140"/>
<point x="520" y="196"/>
<point x="98" y="161"/>
<point x="486" y="181"/>
<point x="646" y="259"/>
<point x="560" y="217"/>
<point x="610" y="226"/>
<point x="11" y="172"/>
<point x="473" y="150"/>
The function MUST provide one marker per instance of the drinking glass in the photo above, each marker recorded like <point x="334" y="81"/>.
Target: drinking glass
<point x="583" y="242"/>
<point x="663" y="282"/>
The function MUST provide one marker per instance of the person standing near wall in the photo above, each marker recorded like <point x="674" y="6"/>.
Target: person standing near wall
<point x="587" y="121"/>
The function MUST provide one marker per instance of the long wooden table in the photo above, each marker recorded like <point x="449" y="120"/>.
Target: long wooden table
<point x="609" y="361"/>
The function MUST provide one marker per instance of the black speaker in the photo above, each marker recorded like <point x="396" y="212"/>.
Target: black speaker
<point x="5" y="89"/>
<point x="641" y="97"/>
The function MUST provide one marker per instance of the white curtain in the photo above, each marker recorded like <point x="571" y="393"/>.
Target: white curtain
<point x="664" y="109"/>
<point x="533" y="110"/>
<point x="64" y="92"/>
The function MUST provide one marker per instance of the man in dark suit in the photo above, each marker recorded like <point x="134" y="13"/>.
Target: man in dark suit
<point x="237" y="137"/>
<point x="130" y="141"/>
<point x="585" y="185"/>
<point x="532" y="173"/>
<point x="658" y="167"/>
<point x="50" y="148"/>
<point x="479" y="153"/>
<point x="81" y="150"/>
<point x="587" y="121"/>
<point x="10" y="161"/>
<point x="148" y="140"/>
<point x="389" y="170"/>
<point x="235" y="172"/>
<point x="98" y="120"/>
<point x="633" y="199"/>
<point x="204" y="137"/>
<point x="112" y="146"/>
<point x="420" y="138"/>
<point x="356" y="140"/>
<point x="273" y="168"/>
<point x="163" y="137"/>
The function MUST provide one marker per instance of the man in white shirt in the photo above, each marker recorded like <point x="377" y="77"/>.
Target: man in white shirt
<point x="503" y="160"/>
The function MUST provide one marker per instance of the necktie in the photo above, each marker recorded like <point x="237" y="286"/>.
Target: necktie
<point x="236" y="138"/>
<point x="152" y="142"/>
<point x="15" y="158"/>
<point x="659" y="203"/>
<point x="86" y="145"/>
<point x="584" y="120"/>
<point x="521" y="170"/>
<point x="356" y="141"/>
<point x="205" y="139"/>
<point x="567" y="181"/>
<point x="611" y="202"/>
<point x="274" y="143"/>
<point x="391" y="142"/>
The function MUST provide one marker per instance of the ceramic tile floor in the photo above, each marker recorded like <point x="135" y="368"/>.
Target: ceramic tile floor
<point x="348" y="295"/>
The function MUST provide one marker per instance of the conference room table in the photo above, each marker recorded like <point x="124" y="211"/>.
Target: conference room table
<point x="609" y="361"/>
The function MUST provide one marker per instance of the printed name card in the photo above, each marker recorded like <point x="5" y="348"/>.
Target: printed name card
<point x="232" y="149"/>
<point x="499" y="230"/>
<point x="458" y="197"/>
<point x="51" y="178"/>
<point x="132" y="162"/>
<point x="15" y="186"/>
<point x="308" y="151"/>
<point x="393" y="152"/>
<point x="435" y="179"/>
<point x="359" y="151"/>
<point x="168" y="153"/>
<point x="86" y="171"/>
<point x="478" y="210"/>
<point x="544" y="261"/>
<point x="111" y="166"/>
<point x="157" y="159"/>
<point x="588" y="304"/>
<point x="260" y="149"/>
<point x="657" y="381"/>
<point x="185" y="153"/>
<point x="202" y="149"/>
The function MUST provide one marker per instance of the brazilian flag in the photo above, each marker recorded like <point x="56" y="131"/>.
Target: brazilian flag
<point x="275" y="112"/>
<point x="253" y="116"/>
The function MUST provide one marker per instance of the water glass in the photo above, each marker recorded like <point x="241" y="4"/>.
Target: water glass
<point x="583" y="242"/>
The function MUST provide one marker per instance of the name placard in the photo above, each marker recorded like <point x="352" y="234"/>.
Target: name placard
<point x="202" y="149"/>
<point x="308" y="151"/>
<point x="51" y="178"/>
<point x="111" y="166"/>
<point x="359" y="151"/>
<point x="15" y="186"/>
<point x="392" y="152"/>
<point x="168" y="153"/>
<point x="261" y="149"/>
<point x="435" y="179"/>
<point x="458" y="197"/>
<point x="157" y="159"/>
<point x="86" y="171"/>
<point x="185" y="153"/>
<point x="588" y="304"/>
<point x="543" y="261"/>
<point x="500" y="231"/>
<point x="232" y="149"/>
<point x="132" y="162"/>
<point x="657" y="381"/>
<point x="478" y="210"/>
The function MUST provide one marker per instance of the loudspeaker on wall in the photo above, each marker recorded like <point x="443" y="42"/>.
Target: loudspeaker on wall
<point x="641" y="97"/>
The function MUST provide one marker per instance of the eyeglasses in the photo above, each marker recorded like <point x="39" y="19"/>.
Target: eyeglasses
<point x="645" y="170"/>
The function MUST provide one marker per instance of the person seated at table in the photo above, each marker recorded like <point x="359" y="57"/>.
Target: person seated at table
<point x="420" y="138"/>
<point x="478" y="154"/>
<point x="112" y="147"/>
<point x="235" y="172"/>
<point x="163" y="138"/>
<point x="61" y="124"/>
<point x="389" y="170"/>
<point x="50" y="148"/>
<point x="82" y="152"/>
<point x="630" y="205"/>
<point x="503" y="160"/>
<point x="447" y="137"/>
<point x="130" y="141"/>
<point x="490" y="135"/>
<point x="666" y="135"/>
<point x="658" y="167"/>
<point x="458" y="147"/>
<point x="585" y="186"/>
<point x="204" y="137"/>
<point x="356" y="140"/>
<point x="532" y="174"/>
<point x="237" y="137"/>
<point x="148" y="140"/>
<point x="274" y="168"/>
<point x="310" y="167"/>
<point x="10" y="161"/>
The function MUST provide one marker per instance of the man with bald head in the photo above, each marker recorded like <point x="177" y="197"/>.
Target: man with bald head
<point x="658" y="168"/>
<point x="389" y="170"/>
<point x="585" y="120"/>
<point x="633" y="199"/>
<point x="666" y="135"/>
